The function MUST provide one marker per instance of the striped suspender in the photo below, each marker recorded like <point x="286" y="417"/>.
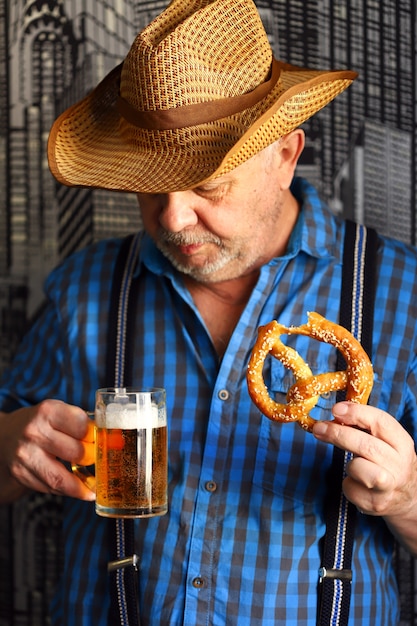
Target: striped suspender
<point x="123" y="564"/>
<point x="356" y="314"/>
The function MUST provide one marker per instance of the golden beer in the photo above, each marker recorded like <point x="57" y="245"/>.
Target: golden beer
<point x="131" y="450"/>
<point x="131" y="471"/>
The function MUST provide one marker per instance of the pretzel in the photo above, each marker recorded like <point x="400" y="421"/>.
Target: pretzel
<point x="357" y="379"/>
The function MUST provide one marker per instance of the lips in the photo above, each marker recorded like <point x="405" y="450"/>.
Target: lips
<point x="190" y="249"/>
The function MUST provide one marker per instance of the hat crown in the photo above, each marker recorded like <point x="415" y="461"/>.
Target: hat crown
<point x="196" y="52"/>
<point x="198" y="94"/>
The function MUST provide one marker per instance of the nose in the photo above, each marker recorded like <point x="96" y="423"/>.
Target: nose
<point x="177" y="211"/>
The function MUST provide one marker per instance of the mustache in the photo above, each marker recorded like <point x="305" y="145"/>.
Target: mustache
<point x="184" y="238"/>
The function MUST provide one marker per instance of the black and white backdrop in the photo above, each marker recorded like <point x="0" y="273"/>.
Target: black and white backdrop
<point x="361" y="154"/>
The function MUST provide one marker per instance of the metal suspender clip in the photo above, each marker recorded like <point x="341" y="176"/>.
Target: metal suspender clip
<point x="335" y="574"/>
<point x="122" y="563"/>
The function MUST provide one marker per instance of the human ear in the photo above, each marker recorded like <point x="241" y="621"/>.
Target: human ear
<point x="291" y="146"/>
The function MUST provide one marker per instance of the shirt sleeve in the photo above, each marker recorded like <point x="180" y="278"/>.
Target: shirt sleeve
<point x="63" y="354"/>
<point x="36" y="372"/>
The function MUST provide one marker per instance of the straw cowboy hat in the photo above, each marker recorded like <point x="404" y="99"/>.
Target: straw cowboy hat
<point x="198" y="94"/>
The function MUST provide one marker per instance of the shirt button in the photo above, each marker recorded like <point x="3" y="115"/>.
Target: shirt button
<point x="223" y="394"/>
<point x="211" y="486"/>
<point x="198" y="582"/>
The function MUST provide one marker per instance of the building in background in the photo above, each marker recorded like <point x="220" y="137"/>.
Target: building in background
<point x="378" y="117"/>
<point x="58" y="52"/>
<point x="360" y="152"/>
<point x="375" y="118"/>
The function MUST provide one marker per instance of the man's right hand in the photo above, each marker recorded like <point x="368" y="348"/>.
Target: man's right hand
<point x="33" y="443"/>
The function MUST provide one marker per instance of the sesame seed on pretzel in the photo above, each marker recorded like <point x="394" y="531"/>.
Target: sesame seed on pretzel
<point x="357" y="379"/>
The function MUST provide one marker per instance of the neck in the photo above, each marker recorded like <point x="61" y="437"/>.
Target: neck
<point x="221" y="305"/>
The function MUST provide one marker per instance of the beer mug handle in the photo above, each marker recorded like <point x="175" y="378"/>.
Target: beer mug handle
<point x="84" y="475"/>
<point x="81" y="471"/>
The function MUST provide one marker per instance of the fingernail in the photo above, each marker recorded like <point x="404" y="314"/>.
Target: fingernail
<point x="341" y="408"/>
<point x="320" y="429"/>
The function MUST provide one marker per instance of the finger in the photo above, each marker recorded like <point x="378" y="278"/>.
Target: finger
<point x="39" y="471"/>
<point x="42" y="434"/>
<point x="356" y="441"/>
<point x="373" y="420"/>
<point x="369" y="501"/>
<point x="60" y="429"/>
<point x="90" y="436"/>
<point x="381" y="489"/>
<point x="88" y="446"/>
<point x="79" y="489"/>
<point x="66" y="418"/>
<point x="88" y="454"/>
<point x="353" y="421"/>
<point x="371" y="476"/>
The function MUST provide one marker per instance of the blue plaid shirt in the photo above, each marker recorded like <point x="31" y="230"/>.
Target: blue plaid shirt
<point x="240" y="544"/>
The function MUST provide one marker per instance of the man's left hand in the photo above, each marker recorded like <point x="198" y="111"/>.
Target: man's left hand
<point x="382" y="477"/>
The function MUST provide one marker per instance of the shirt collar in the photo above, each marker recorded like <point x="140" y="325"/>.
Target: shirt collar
<point x="154" y="260"/>
<point x="316" y="231"/>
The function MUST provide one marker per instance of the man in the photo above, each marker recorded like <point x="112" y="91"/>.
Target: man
<point x="203" y="125"/>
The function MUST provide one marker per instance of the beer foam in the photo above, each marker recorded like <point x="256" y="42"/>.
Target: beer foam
<point x="129" y="416"/>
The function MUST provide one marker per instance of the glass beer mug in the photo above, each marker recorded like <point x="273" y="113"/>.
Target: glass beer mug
<point x="131" y="453"/>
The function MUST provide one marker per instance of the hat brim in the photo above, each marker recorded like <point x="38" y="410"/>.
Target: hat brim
<point x="90" y="145"/>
